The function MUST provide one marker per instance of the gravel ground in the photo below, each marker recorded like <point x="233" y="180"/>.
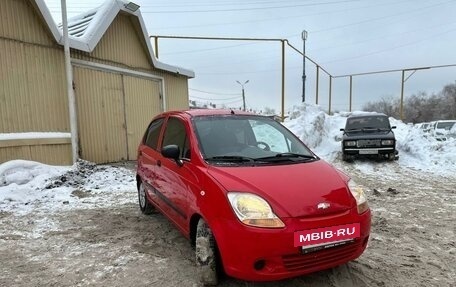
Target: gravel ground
<point x="412" y="241"/>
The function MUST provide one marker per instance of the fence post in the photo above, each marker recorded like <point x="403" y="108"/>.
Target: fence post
<point x="330" y="94"/>
<point x="316" y="88"/>
<point x="351" y="93"/>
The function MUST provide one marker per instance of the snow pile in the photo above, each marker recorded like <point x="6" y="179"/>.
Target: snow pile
<point x="27" y="185"/>
<point x="417" y="149"/>
<point x="420" y="150"/>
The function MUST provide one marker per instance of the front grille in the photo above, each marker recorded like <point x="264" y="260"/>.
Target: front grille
<point x="369" y="143"/>
<point x="301" y="262"/>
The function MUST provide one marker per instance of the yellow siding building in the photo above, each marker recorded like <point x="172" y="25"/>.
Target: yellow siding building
<point x="118" y="83"/>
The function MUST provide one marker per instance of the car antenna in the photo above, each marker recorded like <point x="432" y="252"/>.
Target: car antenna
<point x="232" y="112"/>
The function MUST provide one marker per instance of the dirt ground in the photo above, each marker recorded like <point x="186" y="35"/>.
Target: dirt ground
<point x="412" y="241"/>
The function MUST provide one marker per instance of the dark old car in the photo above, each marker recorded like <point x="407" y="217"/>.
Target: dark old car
<point x="368" y="135"/>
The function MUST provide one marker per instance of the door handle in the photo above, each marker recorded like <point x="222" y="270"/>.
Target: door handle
<point x="159" y="163"/>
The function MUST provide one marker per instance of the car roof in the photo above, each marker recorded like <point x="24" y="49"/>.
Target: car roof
<point x="446" y="121"/>
<point x="207" y="112"/>
<point x="366" y="115"/>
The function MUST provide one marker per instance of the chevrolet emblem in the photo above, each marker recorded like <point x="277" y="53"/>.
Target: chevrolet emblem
<point x="323" y="205"/>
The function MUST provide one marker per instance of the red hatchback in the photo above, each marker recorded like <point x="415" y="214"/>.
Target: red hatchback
<point x="249" y="195"/>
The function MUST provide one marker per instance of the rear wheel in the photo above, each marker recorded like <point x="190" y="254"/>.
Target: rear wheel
<point x="205" y="250"/>
<point x="144" y="205"/>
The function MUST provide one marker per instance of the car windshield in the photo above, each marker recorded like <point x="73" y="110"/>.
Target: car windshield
<point x="247" y="139"/>
<point x="445" y="125"/>
<point x="367" y="122"/>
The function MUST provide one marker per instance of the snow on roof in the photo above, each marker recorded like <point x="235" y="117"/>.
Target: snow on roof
<point x="87" y="29"/>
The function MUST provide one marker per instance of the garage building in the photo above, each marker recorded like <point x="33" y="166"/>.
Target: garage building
<point x="118" y="83"/>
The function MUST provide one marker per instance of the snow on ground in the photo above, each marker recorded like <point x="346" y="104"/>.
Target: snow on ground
<point x="417" y="150"/>
<point x="28" y="185"/>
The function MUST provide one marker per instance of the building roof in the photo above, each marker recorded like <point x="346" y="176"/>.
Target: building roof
<point x="87" y="29"/>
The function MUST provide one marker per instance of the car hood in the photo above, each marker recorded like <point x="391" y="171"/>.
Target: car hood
<point x="374" y="134"/>
<point x="292" y="190"/>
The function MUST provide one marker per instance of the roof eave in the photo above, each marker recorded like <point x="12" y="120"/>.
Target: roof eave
<point x="156" y="63"/>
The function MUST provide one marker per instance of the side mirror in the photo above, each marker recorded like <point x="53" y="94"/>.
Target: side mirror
<point x="173" y="152"/>
<point x="393" y="127"/>
<point x="342" y="130"/>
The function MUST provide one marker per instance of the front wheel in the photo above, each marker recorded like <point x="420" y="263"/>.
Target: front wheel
<point x="346" y="157"/>
<point x="205" y="251"/>
<point x="144" y="205"/>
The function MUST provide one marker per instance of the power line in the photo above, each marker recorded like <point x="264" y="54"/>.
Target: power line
<point x="209" y="99"/>
<point x="279" y="18"/>
<point x="376" y="38"/>
<point x="382" y="18"/>
<point x="215" y="93"/>
<point x="388" y="49"/>
<point x="248" y="9"/>
<point x="194" y="4"/>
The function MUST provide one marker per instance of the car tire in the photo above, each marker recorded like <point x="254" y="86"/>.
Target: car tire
<point x="392" y="156"/>
<point x="144" y="204"/>
<point x="206" y="251"/>
<point x="346" y="157"/>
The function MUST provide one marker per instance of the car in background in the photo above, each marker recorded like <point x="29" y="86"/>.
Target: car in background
<point x="444" y="129"/>
<point x="426" y="127"/>
<point x="368" y="135"/>
<point x="252" y="199"/>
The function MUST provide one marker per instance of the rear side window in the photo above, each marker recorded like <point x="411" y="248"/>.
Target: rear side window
<point x="175" y="134"/>
<point x="153" y="132"/>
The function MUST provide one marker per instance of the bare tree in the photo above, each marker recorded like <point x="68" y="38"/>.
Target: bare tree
<point x="420" y="107"/>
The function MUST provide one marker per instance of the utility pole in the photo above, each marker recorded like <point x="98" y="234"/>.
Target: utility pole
<point x="243" y="93"/>
<point x="69" y="83"/>
<point x="304" y="38"/>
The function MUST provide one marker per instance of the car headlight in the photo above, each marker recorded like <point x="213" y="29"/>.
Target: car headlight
<point x="350" y="143"/>
<point x="358" y="193"/>
<point x="387" y="142"/>
<point x="253" y="210"/>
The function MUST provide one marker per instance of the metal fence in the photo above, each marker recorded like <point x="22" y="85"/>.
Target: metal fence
<point x="321" y="81"/>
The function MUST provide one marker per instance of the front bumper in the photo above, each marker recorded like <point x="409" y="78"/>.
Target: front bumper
<point x="258" y="254"/>
<point x="369" y="151"/>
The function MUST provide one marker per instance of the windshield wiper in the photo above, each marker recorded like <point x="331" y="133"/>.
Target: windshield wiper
<point x="230" y="158"/>
<point x="287" y="156"/>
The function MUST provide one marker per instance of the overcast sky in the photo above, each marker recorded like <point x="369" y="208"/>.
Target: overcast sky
<point x="344" y="37"/>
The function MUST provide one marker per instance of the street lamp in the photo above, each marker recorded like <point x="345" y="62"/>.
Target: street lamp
<point x="243" y="93"/>
<point x="304" y="38"/>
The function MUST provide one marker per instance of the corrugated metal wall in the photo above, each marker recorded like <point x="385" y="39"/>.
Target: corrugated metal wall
<point x="176" y="91"/>
<point x="112" y="123"/>
<point x="122" y="47"/>
<point x="19" y="21"/>
<point x="32" y="83"/>
<point x="142" y="102"/>
<point x="58" y="154"/>
<point x="101" y="116"/>
<point x="33" y="91"/>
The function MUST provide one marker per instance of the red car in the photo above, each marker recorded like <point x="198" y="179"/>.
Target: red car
<point x="252" y="199"/>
